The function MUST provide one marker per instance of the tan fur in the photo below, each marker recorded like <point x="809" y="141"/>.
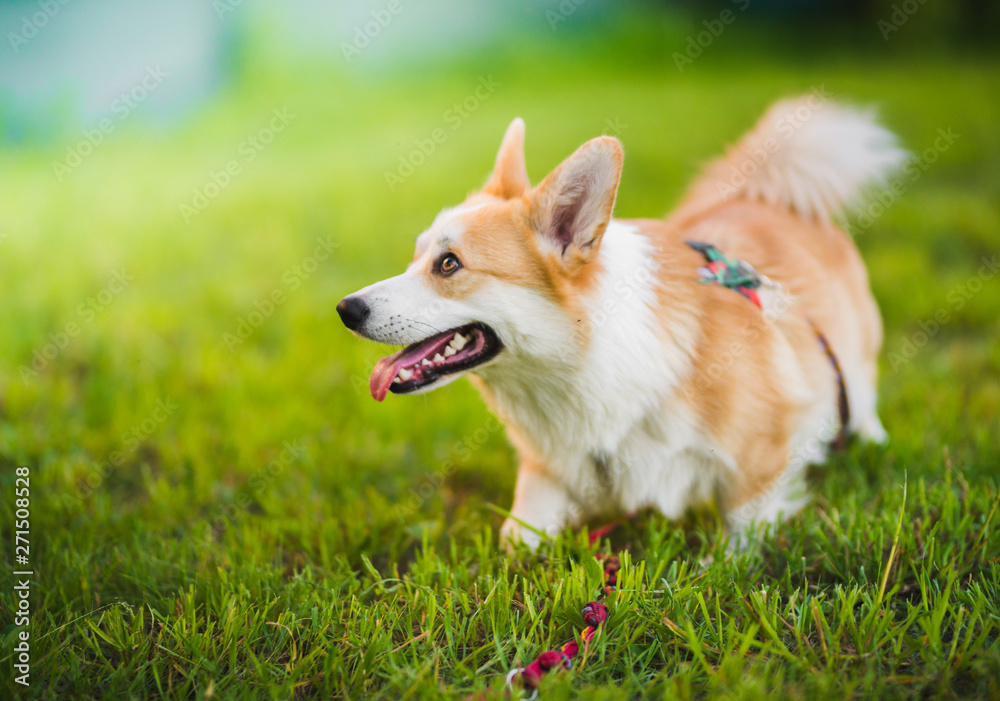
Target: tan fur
<point x="746" y="405"/>
<point x="820" y="267"/>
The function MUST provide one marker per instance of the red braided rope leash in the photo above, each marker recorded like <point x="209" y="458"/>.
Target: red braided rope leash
<point x="594" y="613"/>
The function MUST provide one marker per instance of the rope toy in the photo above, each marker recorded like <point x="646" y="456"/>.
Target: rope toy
<point x="594" y="614"/>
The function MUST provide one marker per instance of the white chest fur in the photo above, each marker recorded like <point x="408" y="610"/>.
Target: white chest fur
<point x="600" y="418"/>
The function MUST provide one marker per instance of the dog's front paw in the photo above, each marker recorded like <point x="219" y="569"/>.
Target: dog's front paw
<point x="513" y="533"/>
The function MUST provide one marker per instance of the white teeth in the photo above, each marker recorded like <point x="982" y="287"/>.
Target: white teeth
<point x="449" y="351"/>
<point x="405" y="374"/>
<point x="396" y="380"/>
<point x="425" y="361"/>
<point x="438" y="358"/>
<point x="459" y="341"/>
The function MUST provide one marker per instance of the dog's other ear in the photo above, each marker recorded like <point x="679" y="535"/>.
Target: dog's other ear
<point x="510" y="175"/>
<point x="571" y="208"/>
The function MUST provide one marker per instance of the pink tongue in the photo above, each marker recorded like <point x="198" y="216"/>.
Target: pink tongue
<point x="387" y="368"/>
<point x="383" y="375"/>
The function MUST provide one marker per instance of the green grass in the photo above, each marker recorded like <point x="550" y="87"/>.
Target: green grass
<point x="203" y="561"/>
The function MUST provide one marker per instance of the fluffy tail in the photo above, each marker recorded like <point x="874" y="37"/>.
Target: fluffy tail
<point x="806" y="154"/>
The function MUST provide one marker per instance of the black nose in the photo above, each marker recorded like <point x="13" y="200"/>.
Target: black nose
<point x="353" y="312"/>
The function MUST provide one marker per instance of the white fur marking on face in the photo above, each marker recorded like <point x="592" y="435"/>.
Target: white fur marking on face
<point x="402" y="310"/>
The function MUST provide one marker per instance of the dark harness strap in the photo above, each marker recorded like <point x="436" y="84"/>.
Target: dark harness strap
<point x="740" y="276"/>
<point x="840" y="442"/>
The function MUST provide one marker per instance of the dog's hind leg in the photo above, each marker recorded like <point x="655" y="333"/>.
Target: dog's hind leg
<point x="871" y="429"/>
<point x="862" y="395"/>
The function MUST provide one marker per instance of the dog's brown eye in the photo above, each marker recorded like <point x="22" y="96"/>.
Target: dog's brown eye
<point x="449" y="264"/>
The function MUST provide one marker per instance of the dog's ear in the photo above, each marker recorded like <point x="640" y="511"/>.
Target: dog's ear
<point x="571" y="208"/>
<point x="510" y="175"/>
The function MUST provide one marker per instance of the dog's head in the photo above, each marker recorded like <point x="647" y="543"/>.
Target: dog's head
<point x="496" y="277"/>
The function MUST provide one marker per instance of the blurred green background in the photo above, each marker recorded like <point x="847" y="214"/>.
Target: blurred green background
<point x="189" y="189"/>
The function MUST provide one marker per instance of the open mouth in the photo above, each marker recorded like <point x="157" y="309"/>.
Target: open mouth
<point x="423" y="363"/>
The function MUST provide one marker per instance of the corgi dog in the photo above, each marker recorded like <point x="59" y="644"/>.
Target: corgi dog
<point x="661" y="363"/>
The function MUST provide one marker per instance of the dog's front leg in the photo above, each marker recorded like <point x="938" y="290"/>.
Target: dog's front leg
<point x="541" y="502"/>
